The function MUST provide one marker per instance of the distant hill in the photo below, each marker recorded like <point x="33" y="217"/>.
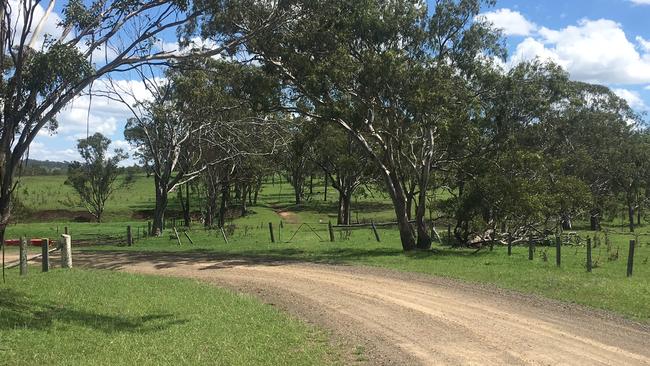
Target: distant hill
<point x="45" y="167"/>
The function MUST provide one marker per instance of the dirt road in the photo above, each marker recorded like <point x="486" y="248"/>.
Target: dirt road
<point x="408" y="319"/>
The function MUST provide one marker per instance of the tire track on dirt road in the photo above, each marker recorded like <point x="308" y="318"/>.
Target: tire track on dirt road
<point x="405" y="319"/>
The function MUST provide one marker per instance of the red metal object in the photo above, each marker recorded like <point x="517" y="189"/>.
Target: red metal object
<point x="33" y="242"/>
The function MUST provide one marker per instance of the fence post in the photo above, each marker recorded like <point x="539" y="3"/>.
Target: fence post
<point x="45" y="254"/>
<point x="630" y="259"/>
<point x="558" y="250"/>
<point x="23" y="256"/>
<point x="509" y="245"/>
<point x="149" y="228"/>
<point x="223" y="233"/>
<point x="178" y="238"/>
<point x="129" y="236"/>
<point x="271" y="231"/>
<point x="331" y="229"/>
<point x="65" y="230"/>
<point x="531" y="248"/>
<point x="448" y="234"/>
<point x="589" y="263"/>
<point x="374" y="230"/>
<point x="66" y="251"/>
<point x="188" y="237"/>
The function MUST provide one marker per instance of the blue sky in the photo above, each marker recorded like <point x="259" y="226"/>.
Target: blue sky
<point x="598" y="41"/>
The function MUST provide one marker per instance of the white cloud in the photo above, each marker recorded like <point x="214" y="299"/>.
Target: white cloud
<point x="640" y="2"/>
<point x="43" y="151"/>
<point x="596" y="51"/>
<point x="633" y="98"/>
<point x="50" y="25"/>
<point x="511" y="22"/>
<point x="643" y="43"/>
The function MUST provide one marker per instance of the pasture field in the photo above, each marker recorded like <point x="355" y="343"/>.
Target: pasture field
<point x="101" y="317"/>
<point x="301" y="234"/>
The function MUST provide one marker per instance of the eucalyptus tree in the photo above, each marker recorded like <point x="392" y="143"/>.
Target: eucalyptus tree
<point x="201" y="116"/>
<point x="94" y="178"/>
<point x="388" y="72"/>
<point x="346" y="166"/>
<point x="296" y="158"/>
<point x="587" y="139"/>
<point x="42" y="72"/>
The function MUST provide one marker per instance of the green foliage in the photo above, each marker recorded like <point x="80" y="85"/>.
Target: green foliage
<point x="60" y="64"/>
<point x="94" y="178"/>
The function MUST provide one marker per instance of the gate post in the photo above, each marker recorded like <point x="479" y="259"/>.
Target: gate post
<point x="66" y="251"/>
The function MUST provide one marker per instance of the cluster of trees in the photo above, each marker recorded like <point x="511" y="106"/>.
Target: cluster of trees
<point x="402" y="94"/>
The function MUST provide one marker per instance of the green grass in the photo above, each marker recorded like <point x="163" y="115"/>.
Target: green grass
<point x="50" y="193"/>
<point x="606" y="288"/>
<point x="82" y="317"/>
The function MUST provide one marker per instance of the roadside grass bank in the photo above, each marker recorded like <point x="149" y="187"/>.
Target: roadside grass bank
<point x="101" y="317"/>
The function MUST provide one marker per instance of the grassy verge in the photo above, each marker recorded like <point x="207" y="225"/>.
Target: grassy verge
<point x="102" y="318"/>
<point x="606" y="288"/>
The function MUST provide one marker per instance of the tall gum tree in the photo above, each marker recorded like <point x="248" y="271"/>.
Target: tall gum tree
<point x="41" y="73"/>
<point x="394" y="74"/>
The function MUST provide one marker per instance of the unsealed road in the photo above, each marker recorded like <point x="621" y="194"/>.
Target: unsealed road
<point x="406" y="319"/>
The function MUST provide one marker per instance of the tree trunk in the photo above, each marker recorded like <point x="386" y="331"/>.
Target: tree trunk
<point x="161" y="206"/>
<point x="397" y="195"/>
<point x="424" y="238"/>
<point x="326" y="184"/>
<point x="409" y="205"/>
<point x="297" y="189"/>
<point x="243" y="201"/>
<point x="225" y="193"/>
<point x="210" y="204"/>
<point x="257" y="191"/>
<point x="186" y="206"/>
<point x="595" y="221"/>
<point x="566" y="223"/>
<point x="630" y="213"/>
<point x="344" y="212"/>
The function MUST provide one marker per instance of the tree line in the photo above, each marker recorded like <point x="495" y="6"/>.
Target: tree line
<point x="406" y="97"/>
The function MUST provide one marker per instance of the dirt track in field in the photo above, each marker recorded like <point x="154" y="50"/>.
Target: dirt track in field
<point x="409" y="319"/>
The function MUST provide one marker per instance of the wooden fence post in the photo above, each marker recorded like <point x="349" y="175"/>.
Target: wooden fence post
<point x="271" y="231"/>
<point x="374" y="230"/>
<point x="630" y="259"/>
<point x="149" y="228"/>
<point x="331" y="229"/>
<point x="66" y="251"/>
<point x="589" y="263"/>
<point x="223" y="233"/>
<point x="129" y="236"/>
<point x="23" y="256"/>
<point x="65" y="230"/>
<point x="558" y="250"/>
<point x="45" y="254"/>
<point x="178" y="238"/>
<point x="531" y="248"/>
<point x="448" y="234"/>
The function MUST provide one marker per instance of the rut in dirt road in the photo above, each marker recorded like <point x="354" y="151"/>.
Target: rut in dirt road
<point x="414" y="319"/>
